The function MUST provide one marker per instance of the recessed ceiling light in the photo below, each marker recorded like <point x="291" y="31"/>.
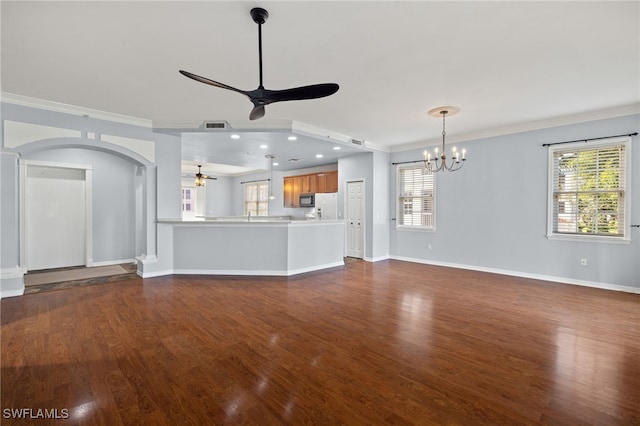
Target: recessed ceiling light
<point x="275" y="164"/>
<point x="336" y="148"/>
<point x="319" y="155"/>
<point x="263" y="146"/>
<point x="292" y="138"/>
<point x="234" y="136"/>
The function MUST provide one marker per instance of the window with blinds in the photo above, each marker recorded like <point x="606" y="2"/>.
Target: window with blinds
<point x="588" y="189"/>
<point x="256" y="198"/>
<point x="416" y="198"/>
<point x="188" y="200"/>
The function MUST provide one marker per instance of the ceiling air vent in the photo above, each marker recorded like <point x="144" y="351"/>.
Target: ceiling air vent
<point x="215" y="125"/>
<point x="357" y="142"/>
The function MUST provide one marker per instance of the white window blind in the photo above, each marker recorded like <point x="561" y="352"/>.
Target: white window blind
<point x="588" y="194"/>
<point x="416" y="197"/>
<point x="256" y="198"/>
<point x="188" y="200"/>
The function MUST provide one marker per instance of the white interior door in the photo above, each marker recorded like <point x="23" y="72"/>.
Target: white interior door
<point x="355" y="219"/>
<point x="55" y="217"/>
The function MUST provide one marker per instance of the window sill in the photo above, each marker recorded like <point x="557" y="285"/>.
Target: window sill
<point x="415" y="229"/>
<point x="589" y="239"/>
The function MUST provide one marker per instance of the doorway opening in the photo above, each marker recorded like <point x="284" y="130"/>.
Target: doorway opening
<point x="56" y="218"/>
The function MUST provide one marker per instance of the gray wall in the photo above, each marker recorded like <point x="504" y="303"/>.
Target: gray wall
<point x="381" y="212"/>
<point x="219" y="198"/>
<point x="114" y="199"/>
<point x="492" y="214"/>
<point x="9" y="255"/>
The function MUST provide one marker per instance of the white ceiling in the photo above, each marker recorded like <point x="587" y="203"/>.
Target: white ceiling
<point x="508" y="65"/>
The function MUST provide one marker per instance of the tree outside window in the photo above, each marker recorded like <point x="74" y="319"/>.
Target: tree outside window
<point x="588" y="195"/>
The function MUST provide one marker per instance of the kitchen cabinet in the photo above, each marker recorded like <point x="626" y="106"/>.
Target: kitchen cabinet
<point x="327" y="182"/>
<point x="296" y="191"/>
<point x="310" y="183"/>
<point x="288" y="192"/>
<point x="332" y="182"/>
<point x="292" y="189"/>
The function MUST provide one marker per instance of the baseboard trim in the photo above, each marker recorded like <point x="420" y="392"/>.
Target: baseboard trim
<point x="377" y="259"/>
<point x="315" y="268"/>
<point x="560" y="280"/>
<point x="12" y="273"/>
<point x="113" y="262"/>
<point x="12" y="293"/>
<point x="249" y="272"/>
<point x="14" y="279"/>
<point x="241" y="272"/>
<point x="155" y="273"/>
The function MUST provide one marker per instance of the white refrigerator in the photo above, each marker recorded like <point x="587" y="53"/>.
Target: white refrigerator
<point x="326" y="205"/>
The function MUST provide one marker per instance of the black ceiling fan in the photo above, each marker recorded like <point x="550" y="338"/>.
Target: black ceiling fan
<point x="200" y="177"/>
<point x="261" y="96"/>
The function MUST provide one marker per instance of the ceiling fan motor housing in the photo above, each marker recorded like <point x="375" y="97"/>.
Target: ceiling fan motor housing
<point x="259" y="15"/>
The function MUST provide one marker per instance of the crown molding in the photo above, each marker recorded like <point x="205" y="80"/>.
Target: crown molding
<point x="12" y="98"/>
<point x="603" y="114"/>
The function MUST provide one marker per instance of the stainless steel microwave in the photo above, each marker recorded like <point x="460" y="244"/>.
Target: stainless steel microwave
<point x="307" y="200"/>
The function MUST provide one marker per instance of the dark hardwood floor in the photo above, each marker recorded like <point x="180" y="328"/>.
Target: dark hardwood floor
<point x="383" y="343"/>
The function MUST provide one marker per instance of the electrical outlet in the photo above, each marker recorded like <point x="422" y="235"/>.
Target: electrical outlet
<point x="583" y="261"/>
<point x="429" y="246"/>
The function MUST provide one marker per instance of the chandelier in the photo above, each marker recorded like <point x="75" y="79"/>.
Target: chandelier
<point x="439" y="162"/>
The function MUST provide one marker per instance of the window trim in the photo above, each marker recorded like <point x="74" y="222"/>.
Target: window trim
<point x="418" y="228"/>
<point x="257" y="183"/>
<point x="626" y="237"/>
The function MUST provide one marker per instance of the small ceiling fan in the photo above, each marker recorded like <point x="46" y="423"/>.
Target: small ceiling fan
<point x="261" y="96"/>
<point x="200" y="178"/>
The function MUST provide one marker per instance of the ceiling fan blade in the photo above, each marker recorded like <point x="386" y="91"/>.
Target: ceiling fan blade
<point x="257" y="112"/>
<point x="210" y="178"/>
<point x="313" y="91"/>
<point x="210" y="82"/>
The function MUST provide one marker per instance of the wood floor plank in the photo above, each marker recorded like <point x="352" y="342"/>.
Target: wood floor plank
<point x="369" y="343"/>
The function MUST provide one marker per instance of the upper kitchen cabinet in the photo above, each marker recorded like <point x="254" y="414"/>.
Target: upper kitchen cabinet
<point x="291" y="196"/>
<point x="327" y="182"/>
<point x="312" y="183"/>
<point x="307" y="184"/>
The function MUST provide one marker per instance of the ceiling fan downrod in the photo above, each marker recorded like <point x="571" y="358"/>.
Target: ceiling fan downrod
<point x="259" y="16"/>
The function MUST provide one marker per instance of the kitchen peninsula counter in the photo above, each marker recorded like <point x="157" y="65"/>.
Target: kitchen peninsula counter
<point x="258" y="246"/>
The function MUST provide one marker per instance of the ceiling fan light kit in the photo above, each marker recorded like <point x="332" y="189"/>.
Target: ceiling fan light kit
<point x="200" y="178"/>
<point x="261" y="96"/>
